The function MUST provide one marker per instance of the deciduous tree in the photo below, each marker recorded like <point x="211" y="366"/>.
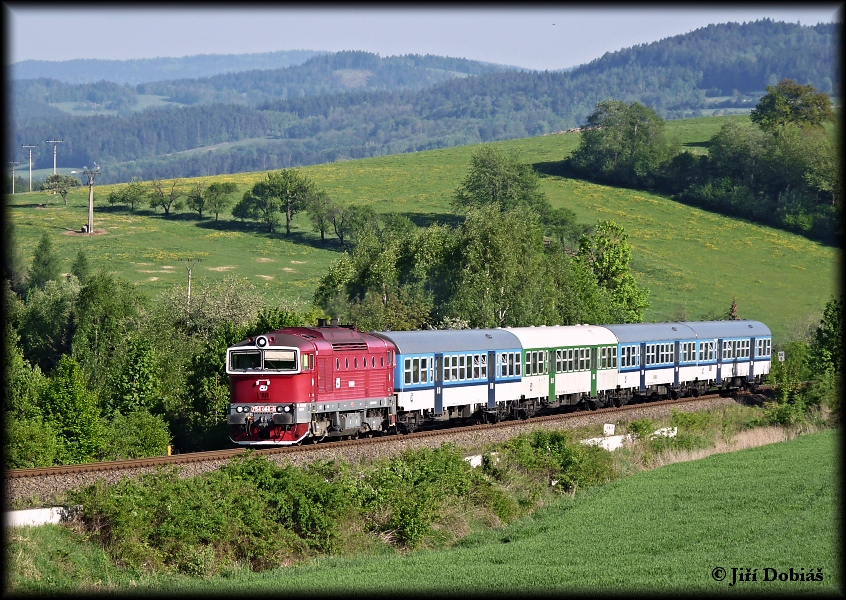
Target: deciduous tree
<point x="61" y="184"/>
<point x="608" y="254"/>
<point x="218" y="196"/>
<point x="791" y="102"/>
<point x="131" y="194"/>
<point x="500" y="179"/>
<point x="167" y="195"/>
<point x="196" y="198"/>
<point x="72" y="412"/>
<point x="320" y="211"/>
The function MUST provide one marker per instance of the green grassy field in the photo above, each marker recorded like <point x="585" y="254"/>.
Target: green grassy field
<point x="693" y="262"/>
<point x="666" y="530"/>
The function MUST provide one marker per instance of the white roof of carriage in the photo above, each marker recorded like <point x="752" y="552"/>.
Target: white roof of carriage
<point x="557" y="336"/>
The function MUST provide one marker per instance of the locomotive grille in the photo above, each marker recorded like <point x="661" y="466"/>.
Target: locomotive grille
<point x="349" y="346"/>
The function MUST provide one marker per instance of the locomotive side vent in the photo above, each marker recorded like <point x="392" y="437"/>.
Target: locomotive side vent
<point x="349" y="346"/>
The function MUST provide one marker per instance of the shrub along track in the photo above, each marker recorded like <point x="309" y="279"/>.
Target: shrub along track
<point x="42" y="485"/>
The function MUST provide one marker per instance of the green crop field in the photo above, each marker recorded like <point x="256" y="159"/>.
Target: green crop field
<point x="693" y="262"/>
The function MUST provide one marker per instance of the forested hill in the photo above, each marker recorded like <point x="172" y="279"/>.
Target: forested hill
<point x="730" y="58"/>
<point x="326" y="74"/>
<point x="356" y="104"/>
<point x="142" y="70"/>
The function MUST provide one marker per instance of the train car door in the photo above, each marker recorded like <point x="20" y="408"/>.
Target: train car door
<point x="719" y="360"/>
<point x="439" y="384"/>
<point x="676" y="365"/>
<point x="751" y="375"/>
<point x="593" y="365"/>
<point x="552" y="362"/>
<point x="492" y="367"/>
<point x="643" y="366"/>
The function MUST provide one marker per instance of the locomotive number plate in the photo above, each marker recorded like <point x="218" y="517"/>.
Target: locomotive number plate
<point x="263" y="409"/>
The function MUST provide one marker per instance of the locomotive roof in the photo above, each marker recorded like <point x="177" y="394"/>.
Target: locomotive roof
<point x="648" y="332"/>
<point x="728" y="329"/>
<point x="450" y="340"/>
<point x="563" y="335"/>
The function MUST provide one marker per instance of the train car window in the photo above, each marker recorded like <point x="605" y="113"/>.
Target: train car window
<point x="613" y="357"/>
<point x="424" y="370"/>
<point x="337" y="364"/>
<point x="347" y="362"/>
<point x="373" y="361"/>
<point x="483" y="364"/>
<point x="243" y="361"/>
<point x="280" y="360"/>
<point x="650" y="354"/>
<point x="355" y="362"/>
<point x="407" y="371"/>
<point x="382" y="361"/>
<point x="517" y="364"/>
<point x="364" y="362"/>
<point x="415" y="370"/>
<point x="305" y="362"/>
<point x="726" y="350"/>
<point x="461" y="371"/>
<point x="454" y="362"/>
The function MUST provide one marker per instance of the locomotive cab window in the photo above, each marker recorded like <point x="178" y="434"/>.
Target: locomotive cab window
<point x="280" y="360"/>
<point x="243" y="361"/>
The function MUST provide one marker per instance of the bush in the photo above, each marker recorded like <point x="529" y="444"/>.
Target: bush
<point x="641" y="428"/>
<point x="568" y="464"/>
<point x="136" y="435"/>
<point x="29" y="443"/>
<point x="403" y="495"/>
<point x="690" y="421"/>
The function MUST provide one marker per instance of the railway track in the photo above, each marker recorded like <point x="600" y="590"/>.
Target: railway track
<point x="445" y="433"/>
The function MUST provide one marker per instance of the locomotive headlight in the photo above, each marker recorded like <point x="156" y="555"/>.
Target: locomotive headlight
<point x="287" y="409"/>
<point x="237" y="409"/>
<point x="261" y="341"/>
<point x="279" y="409"/>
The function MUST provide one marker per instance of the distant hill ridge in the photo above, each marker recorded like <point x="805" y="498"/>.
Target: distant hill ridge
<point x="354" y="104"/>
<point x="143" y="70"/>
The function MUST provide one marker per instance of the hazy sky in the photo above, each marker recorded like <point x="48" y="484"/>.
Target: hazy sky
<point x="535" y="37"/>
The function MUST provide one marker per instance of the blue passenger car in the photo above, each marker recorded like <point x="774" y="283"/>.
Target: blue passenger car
<point x="452" y="373"/>
<point x="653" y="357"/>
<point x="738" y="350"/>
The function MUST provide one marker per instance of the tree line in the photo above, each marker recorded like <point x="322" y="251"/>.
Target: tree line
<point x="781" y="169"/>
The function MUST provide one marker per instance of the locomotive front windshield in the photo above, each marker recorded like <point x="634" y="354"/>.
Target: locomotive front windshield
<point x="274" y="360"/>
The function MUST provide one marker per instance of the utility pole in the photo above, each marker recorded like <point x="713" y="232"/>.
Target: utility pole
<point x="91" y="174"/>
<point x="55" y="143"/>
<point x="189" y="264"/>
<point x="30" y="162"/>
<point x="14" y="165"/>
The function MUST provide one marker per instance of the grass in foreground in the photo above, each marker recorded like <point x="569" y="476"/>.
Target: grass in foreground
<point x="772" y="507"/>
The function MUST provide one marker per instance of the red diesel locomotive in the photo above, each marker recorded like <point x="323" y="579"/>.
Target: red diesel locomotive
<point x="302" y="382"/>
